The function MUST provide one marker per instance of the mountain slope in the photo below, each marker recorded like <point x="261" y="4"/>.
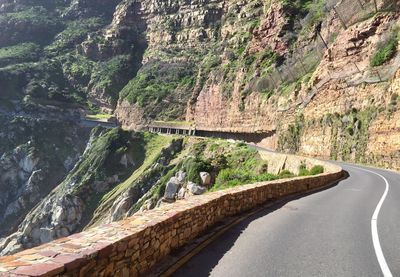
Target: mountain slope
<point x="289" y="69"/>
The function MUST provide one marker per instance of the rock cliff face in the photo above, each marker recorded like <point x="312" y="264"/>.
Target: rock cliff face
<point x="28" y="172"/>
<point x="67" y="209"/>
<point x="354" y="115"/>
<point x="244" y="41"/>
<point x="198" y="52"/>
<point x="210" y="63"/>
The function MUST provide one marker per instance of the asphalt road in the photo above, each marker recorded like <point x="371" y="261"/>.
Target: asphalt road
<point x="327" y="233"/>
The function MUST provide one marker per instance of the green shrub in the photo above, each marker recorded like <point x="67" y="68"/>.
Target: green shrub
<point x="232" y="177"/>
<point x="24" y="52"/>
<point x="75" y="32"/>
<point x="385" y="51"/>
<point x="39" y="26"/>
<point x="155" y="81"/>
<point x="317" y="169"/>
<point x="303" y="171"/>
<point x="193" y="167"/>
<point x="286" y="174"/>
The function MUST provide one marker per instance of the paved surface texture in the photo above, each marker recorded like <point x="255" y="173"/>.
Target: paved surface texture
<point x="327" y="233"/>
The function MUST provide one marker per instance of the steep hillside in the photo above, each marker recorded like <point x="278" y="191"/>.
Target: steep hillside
<point x="215" y="65"/>
<point x="122" y="172"/>
<point x="31" y="164"/>
<point x="319" y="77"/>
<point x="55" y="51"/>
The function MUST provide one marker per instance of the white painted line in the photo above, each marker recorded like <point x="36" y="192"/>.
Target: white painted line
<point x="374" y="227"/>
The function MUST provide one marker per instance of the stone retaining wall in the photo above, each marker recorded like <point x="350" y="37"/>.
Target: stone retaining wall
<point x="132" y="246"/>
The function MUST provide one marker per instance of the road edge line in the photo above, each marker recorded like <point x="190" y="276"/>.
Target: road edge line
<point x="374" y="226"/>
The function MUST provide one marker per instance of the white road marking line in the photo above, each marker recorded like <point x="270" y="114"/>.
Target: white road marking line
<point x="374" y="227"/>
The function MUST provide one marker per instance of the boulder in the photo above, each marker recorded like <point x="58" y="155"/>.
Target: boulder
<point x="171" y="188"/>
<point x="148" y="205"/>
<point x="124" y="160"/>
<point x="195" y="189"/>
<point x="182" y="193"/>
<point x="46" y="235"/>
<point x="62" y="232"/>
<point x="180" y="175"/>
<point x="27" y="164"/>
<point x="205" y="178"/>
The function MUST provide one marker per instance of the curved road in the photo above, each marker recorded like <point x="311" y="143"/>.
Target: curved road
<point x="327" y="233"/>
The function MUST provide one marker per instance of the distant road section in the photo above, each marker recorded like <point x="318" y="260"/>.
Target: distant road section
<point x="328" y="233"/>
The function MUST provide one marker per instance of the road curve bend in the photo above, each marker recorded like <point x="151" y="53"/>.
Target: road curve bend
<point x="351" y="229"/>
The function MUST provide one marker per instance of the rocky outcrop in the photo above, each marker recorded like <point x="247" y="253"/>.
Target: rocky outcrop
<point x="69" y="206"/>
<point x="27" y="172"/>
<point x="356" y="109"/>
<point x="227" y="93"/>
<point x="141" y="193"/>
<point x="171" y="188"/>
<point x="57" y="217"/>
<point x="273" y="32"/>
<point x="205" y="178"/>
<point x="195" y="189"/>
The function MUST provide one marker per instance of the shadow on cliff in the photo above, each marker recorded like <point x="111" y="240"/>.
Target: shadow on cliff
<point x="203" y="263"/>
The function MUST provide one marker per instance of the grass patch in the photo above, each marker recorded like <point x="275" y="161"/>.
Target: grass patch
<point x="232" y="177"/>
<point x="239" y="165"/>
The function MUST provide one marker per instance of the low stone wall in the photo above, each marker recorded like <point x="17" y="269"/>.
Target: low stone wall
<point x="132" y="246"/>
<point x="278" y="162"/>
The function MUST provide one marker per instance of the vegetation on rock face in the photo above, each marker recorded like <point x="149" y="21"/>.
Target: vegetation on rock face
<point x="386" y="49"/>
<point x="24" y="52"/>
<point x="157" y="150"/>
<point x="112" y="156"/>
<point x="34" y="24"/>
<point x="289" y="139"/>
<point x="104" y="156"/>
<point x="155" y="87"/>
<point x="229" y="164"/>
<point x="74" y="33"/>
<point x="350" y="134"/>
<point x="46" y="52"/>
